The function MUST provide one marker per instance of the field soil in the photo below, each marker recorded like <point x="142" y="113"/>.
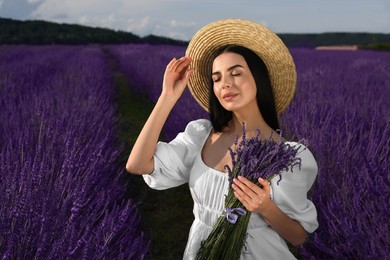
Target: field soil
<point x="166" y="215"/>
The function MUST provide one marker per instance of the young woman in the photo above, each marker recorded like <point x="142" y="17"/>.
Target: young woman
<point x="239" y="71"/>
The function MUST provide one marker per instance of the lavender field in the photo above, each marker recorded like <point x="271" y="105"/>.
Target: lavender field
<point x="60" y="192"/>
<point x="61" y="195"/>
<point x="341" y="109"/>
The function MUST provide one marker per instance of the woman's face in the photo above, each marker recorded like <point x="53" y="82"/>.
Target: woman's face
<point x="233" y="83"/>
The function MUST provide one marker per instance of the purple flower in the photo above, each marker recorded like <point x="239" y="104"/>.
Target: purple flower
<point x="255" y="158"/>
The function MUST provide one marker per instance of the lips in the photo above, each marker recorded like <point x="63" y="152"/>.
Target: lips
<point x="229" y="96"/>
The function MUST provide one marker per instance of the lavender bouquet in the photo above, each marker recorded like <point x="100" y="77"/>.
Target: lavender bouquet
<point x="253" y="158"/>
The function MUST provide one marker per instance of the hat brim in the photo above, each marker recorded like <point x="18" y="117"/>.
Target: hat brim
<point x="254" y="36"/>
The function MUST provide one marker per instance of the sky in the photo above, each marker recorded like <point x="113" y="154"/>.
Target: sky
<point x="180" y="19"/>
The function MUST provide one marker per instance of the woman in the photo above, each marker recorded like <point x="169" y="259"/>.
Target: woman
<point x="239" y="71"/>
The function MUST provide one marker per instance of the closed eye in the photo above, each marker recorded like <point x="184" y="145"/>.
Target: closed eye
<point x="216" y="79"/>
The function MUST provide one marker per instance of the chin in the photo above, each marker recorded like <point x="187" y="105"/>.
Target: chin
<point x="232" y="108"/>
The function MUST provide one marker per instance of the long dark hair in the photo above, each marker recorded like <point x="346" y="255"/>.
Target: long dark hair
<point x="220" y="117"/>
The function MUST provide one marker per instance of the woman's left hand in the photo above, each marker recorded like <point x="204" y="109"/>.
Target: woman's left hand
<point x="254" y="198"/>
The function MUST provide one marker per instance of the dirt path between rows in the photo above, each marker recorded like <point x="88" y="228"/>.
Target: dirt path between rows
<point x="166" y="215"/>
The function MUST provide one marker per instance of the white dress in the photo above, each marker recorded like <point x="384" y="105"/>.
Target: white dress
<point x="180" y="161"/>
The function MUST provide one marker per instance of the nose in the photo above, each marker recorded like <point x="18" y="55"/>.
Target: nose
<point x="226" y="84"/>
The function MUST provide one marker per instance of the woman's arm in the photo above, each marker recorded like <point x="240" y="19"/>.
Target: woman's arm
<point x="176" y="77"/>
<point x="256" y="199"/>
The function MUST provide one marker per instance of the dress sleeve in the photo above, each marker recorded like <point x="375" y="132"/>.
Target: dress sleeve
<point x="291" y="193"/>
<point x="173" y="160"/>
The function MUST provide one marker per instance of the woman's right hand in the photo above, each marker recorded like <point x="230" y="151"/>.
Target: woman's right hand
<point x="176" y="76"/>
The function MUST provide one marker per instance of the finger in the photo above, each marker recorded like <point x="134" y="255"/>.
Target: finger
<point x="188" y="74"/>
<point x="171" y="63"/>
<point x="255" y="188"/>
<point x="182" y="64"/>
<point x="241" y="199"/>
<point x="265" y="184"/>
<point x="185" y="79"/>
<point x="243" y="189"/>
<point x="177" y="62"/>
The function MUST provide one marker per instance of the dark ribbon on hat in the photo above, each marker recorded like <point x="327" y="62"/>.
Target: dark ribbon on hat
<point x="231" y="217"/>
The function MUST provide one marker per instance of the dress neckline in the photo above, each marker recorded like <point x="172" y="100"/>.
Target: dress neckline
<point x="211" y="168"/>
<point x="200" y="154"/>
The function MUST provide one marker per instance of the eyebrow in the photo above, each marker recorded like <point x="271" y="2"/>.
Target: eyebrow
<point x="229" y="69"/>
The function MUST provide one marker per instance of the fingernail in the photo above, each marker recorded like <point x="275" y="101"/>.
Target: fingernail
<point x="240" y="177"/>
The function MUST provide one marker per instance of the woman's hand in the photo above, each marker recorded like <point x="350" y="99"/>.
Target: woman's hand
<point x="254" y="198"/>
<point x="176" y="76"/>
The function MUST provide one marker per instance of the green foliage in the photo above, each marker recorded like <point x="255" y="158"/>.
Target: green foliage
<point x="312" y="40"/>
<point x="380" y="46"/>
<point x="162" y="40"/>
<point x="42" y="32"/>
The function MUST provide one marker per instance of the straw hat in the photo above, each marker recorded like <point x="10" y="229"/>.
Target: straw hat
<point x="208" y="40"/>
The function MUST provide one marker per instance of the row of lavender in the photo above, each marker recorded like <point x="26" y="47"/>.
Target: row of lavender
<point x="341" y="109"/>
<point x="144" y="66"/>
<point x="60" y="194"/>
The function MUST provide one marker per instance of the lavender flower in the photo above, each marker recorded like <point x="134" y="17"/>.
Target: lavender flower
<point x="256" y="158"/>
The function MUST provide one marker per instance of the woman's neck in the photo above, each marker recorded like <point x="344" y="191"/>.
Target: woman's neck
<point x="253" y="123"/>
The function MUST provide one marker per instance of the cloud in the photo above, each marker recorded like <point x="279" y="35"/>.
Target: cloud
<point x="171" y="28"/>
<point x="142" y="18"/>
<point x="75" y="9"/>
<point x="139" y="26"/>
<point x="16" y="9"/>
<point x="180" y="19"/>
<point x="181" y="29"/>
<point x="95" y="13"/>
<point x="34" y="1"/>
<point x="157" y="17"/>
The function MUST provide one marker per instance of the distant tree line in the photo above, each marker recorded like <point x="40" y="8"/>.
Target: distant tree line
<point x="329" y="39"/>
<point x="43" y="32"/>
<point x="379" y="46"/>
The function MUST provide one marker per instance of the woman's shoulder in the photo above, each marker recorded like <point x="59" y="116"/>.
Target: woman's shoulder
<point x="303" y="152"/>
<point x="198" y="127"/>
<point x="195" y="133"/>
<point x="301" y="147"/>
<point x="303" y="173"/>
